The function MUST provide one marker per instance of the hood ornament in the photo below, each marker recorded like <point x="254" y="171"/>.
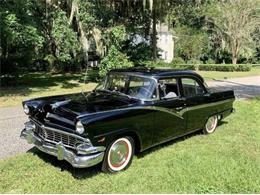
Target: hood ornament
<point x="60" y="103"/>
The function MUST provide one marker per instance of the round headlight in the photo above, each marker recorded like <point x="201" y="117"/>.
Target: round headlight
<point x="26" y="109"/>
<point x="79" y="128"/>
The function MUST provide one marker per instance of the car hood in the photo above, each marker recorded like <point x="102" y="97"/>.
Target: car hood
<point x="66" y="108"/>
<point x="83" y="103"/>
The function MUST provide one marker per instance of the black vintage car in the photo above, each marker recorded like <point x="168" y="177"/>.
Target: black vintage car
<point x="130" y="111"/>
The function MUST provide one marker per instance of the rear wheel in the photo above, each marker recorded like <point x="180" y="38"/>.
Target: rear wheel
<point x="119" y="155"/>
<point x="211" y="125"/>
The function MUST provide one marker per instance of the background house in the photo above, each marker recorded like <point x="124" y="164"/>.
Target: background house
<point x="165" y="43"/>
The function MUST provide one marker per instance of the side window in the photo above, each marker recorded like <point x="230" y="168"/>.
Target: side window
<point x="169" y="88"/>
<point x="191" y="87"/>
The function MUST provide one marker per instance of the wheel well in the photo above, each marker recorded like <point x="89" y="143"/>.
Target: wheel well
<point x="136" y="139"/>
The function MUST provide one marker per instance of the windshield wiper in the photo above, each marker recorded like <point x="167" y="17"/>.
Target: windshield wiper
<point x="118" y="93"/>
<point x="82" y="92"/>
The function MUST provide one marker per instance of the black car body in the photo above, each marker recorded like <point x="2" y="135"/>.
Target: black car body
<point x="146" y="107"/>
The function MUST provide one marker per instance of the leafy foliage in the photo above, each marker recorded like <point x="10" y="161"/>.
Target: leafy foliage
<point x="235" y="21"/>
<point x="65" y="38"/>
<point x="63" y="35"/>
<point x="138" y="53"/>
<point x="114" y="59"/>
<point x="21" y="39"/>
<point x="191" y="43"/>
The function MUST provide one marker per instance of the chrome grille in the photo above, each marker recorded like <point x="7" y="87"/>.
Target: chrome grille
<point x="58" y="137"/>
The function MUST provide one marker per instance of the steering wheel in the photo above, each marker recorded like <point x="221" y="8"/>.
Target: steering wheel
<point x="131" y="92"/>
<point x="144" y="92"/>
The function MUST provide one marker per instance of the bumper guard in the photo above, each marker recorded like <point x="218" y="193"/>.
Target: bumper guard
<point x="62" y="153"/>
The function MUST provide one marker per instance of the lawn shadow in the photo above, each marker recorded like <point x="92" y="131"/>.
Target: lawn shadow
<point x="40" y="81"/>
<point x="77" y="173"/>
<point x="84" y="173"/>
<point x="166" y="144"/>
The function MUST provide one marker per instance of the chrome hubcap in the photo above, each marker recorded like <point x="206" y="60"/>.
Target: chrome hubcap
<point x="119" y="153"/>
<point x="211" y="124"/>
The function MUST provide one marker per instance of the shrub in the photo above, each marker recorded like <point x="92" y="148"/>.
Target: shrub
<point x="92" y="75"/>
<point x="194" y="61"/>
<point x="157" y="64"/>
<point x="178" y="60"/>
<point x="210" y="61"/>
<point x="184" y="66"/>
<point x="114" y="59"/>
<point x="225" y="67"/>
<point x="204" y="67"/>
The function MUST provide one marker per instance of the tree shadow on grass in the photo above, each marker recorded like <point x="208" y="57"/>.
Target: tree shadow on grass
<point x="174" y="141"/>
<point x="39" y="82"/>
<point x="77" y="173"/>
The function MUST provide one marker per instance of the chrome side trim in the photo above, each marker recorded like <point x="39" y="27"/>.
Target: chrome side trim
<point x="162" y="109"/>
<point x="169" y="111"/>
<point x="205" y="105"/>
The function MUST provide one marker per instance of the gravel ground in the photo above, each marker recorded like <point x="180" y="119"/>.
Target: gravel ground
<point x="11" y="123"/>
<point x="12" y="118"/>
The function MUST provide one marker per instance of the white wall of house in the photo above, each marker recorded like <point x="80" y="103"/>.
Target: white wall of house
<point x="165" y="42"/>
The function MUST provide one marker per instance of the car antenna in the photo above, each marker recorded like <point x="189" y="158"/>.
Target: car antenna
<point x="85" y="78"/>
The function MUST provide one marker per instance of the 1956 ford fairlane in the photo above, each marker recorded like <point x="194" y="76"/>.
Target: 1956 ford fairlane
<point x="129" y="112"/>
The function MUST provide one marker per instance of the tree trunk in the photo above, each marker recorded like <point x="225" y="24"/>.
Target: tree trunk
<point x="234" y="49"/>
<point x="234" y="60"/>
<point x="154" y="33"/>
<point x="84" y="41"/>
<point x="72" y="11"/>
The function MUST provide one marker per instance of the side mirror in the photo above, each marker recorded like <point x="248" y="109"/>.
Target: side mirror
<point x="207" y="94"/>
<point x="162" y="86"/>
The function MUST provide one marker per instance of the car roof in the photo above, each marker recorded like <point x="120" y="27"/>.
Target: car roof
<point x="157" y="73"/>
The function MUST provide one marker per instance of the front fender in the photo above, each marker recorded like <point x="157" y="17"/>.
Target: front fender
<point x="104" y="127"/>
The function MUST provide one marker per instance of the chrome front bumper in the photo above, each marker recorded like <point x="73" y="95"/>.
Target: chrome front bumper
<point x="92" y="155"/>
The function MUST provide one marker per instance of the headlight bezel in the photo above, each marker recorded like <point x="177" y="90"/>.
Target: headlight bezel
<point x="26" y="109"/>
<point x="80" y="128"/>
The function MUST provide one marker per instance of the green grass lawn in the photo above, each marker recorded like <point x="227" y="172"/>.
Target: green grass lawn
<point x="42" y="84"/>
<point x="227" y="161"/>
<point x="45" y="84"/>
<point x="208" y="75"/>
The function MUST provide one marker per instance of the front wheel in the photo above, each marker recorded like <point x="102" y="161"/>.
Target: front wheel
<point x="211" y="125"/>
<point x="119" y="155"/>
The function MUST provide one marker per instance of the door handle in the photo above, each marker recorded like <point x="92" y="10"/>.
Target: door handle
<point x="179" y="108"/>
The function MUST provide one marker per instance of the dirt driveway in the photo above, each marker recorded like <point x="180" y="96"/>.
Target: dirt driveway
<point x="12" y="118"/>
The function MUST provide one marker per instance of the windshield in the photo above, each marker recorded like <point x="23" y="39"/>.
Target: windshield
<point x="130" y="85"/>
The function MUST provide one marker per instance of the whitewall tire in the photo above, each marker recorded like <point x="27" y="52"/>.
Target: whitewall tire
<point x="211" y="125"/>
<point x="119" y="155"/>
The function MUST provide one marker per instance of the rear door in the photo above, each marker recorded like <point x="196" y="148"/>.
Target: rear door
<point x="193" y="93"/>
